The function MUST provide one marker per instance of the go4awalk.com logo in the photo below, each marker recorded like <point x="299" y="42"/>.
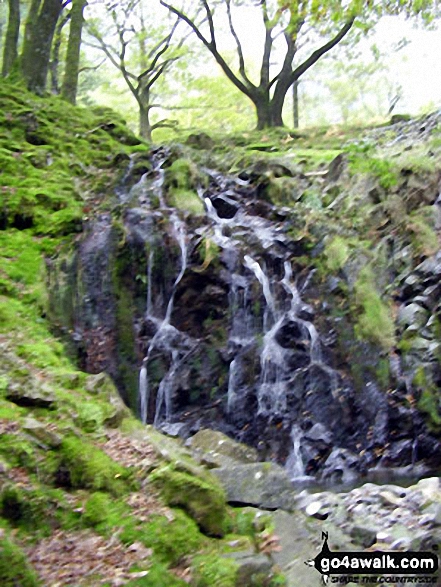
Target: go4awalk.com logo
<point x="376" y="567"/>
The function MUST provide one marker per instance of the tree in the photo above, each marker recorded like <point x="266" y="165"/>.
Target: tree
<point x="57" y="42"/>
<point x="71" y="71"/>
<point x="37" y="46"/>
<point x="141" y="63"/>
<point x="10" y="50"/>
<point x="293" y="20"/>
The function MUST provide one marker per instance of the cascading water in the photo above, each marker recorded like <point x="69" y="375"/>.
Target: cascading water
<point x="165" y="337"/>
<point x="271" y="340"/>
<point x="208" y="306"/>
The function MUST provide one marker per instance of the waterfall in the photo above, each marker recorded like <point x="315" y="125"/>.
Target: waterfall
<point x="294" y="465"/>
<point x="164" y="337"/>
<point x="272" y="342"/>
<point x="143" y="391"/>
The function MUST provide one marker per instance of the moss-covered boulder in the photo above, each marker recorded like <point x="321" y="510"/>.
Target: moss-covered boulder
<point x="201" y="497"/>
<point x="82" y="465"/>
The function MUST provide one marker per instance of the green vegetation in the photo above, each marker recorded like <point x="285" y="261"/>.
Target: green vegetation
<point x="182" y="180"/>
<point x="203" y="499"/>
<point x="374" y="319"/>
<point x="14" y="567"/>
<point x="337" y="253"/>
<point x="60" y="471"/>
<point x="89" y="467"/>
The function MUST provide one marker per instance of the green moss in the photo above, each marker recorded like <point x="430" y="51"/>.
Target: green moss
<point x="89" y="467"/>
<point x="374" y="318"/>
<point x="429" y="400"/>
<point x="208" y="253"/>
<point x="429" y="404"/>
<point x="158" y="576"/>
<point x="171" y="538"/>
<point x="421" y="225"/>
<point x="337" y="253"/>
<point x="181" y="180"/>
<point x="14" y="568"/>
<point x="18" y="451"/>
<point x="203" y="499"/>
<point x="383" y="169"/>
<point x="282" y="191"/>
<point x="209" y="570"/>
<point x="187" y="200"/>
<point x="91" y="416"/>
<point x="104" y="513"/>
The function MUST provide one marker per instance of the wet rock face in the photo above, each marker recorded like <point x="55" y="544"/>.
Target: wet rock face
<point x="210" y="320"/>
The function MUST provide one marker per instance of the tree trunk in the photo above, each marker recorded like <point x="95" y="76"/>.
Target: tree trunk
<point x="11" y="40"/>
<point x="295" y="103"/>
<point x="30" y="21"/>
<point x="70" y="80"/>
<point x="35" y="61"/>
<point x="145" y="127"/>
<point x="269" y="114"/>
<point x="55" y="55"/>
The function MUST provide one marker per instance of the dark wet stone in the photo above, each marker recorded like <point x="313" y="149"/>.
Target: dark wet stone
<point x="340" y="467"/>
<point x="292" y="335"/>
<point x="225" y="206"/>
<point x="336" y="168"/>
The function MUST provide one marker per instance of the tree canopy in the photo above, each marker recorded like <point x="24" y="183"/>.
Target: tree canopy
<point x="150" y="45"/>
<point x="316" y="25"/>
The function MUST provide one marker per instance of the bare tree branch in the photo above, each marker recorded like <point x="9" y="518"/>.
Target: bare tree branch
<point x="315" y="56"/>
<point x="238" y="44"/>
<point x="245" y="89"/>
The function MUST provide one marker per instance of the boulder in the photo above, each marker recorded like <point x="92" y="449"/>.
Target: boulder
<point x="214" y="449"/>
<point x="260" y="484"/>
<point x="200" y="141"/>
<point x="30" y="394"/>
<point x="42" y="433"/>
<point x="200" y="496"/>
<point x="102" y="385"/>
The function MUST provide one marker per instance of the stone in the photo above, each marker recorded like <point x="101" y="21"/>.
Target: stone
<point x="430" y="489"/>
<point x="292" y="335"/>
<point x="219" y="450"/>
<point x="200" y="141"/>
<point x="363" y="535"/>
<point x="40" y="431"/>
<point x="260" y="484"/>
<point x="30" y="394"/>
<point x="201" y="496"/>
<point x="102" y="384"/>
<point x="225" y="206"/>
<point x="340" y="466"/>
<point x="412" y="315"/>
<point x="252" y="568"/>
<point x="319" y="433"/>
<point x="99" y="383"/>
<point x="297" y="544"/>
<point x="336" y="168"/>
<point x="390" y="499"/>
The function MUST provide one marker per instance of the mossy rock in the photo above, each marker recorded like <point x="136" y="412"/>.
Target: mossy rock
<point x="82" y="465"/>
<point x="202" y="498"/>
